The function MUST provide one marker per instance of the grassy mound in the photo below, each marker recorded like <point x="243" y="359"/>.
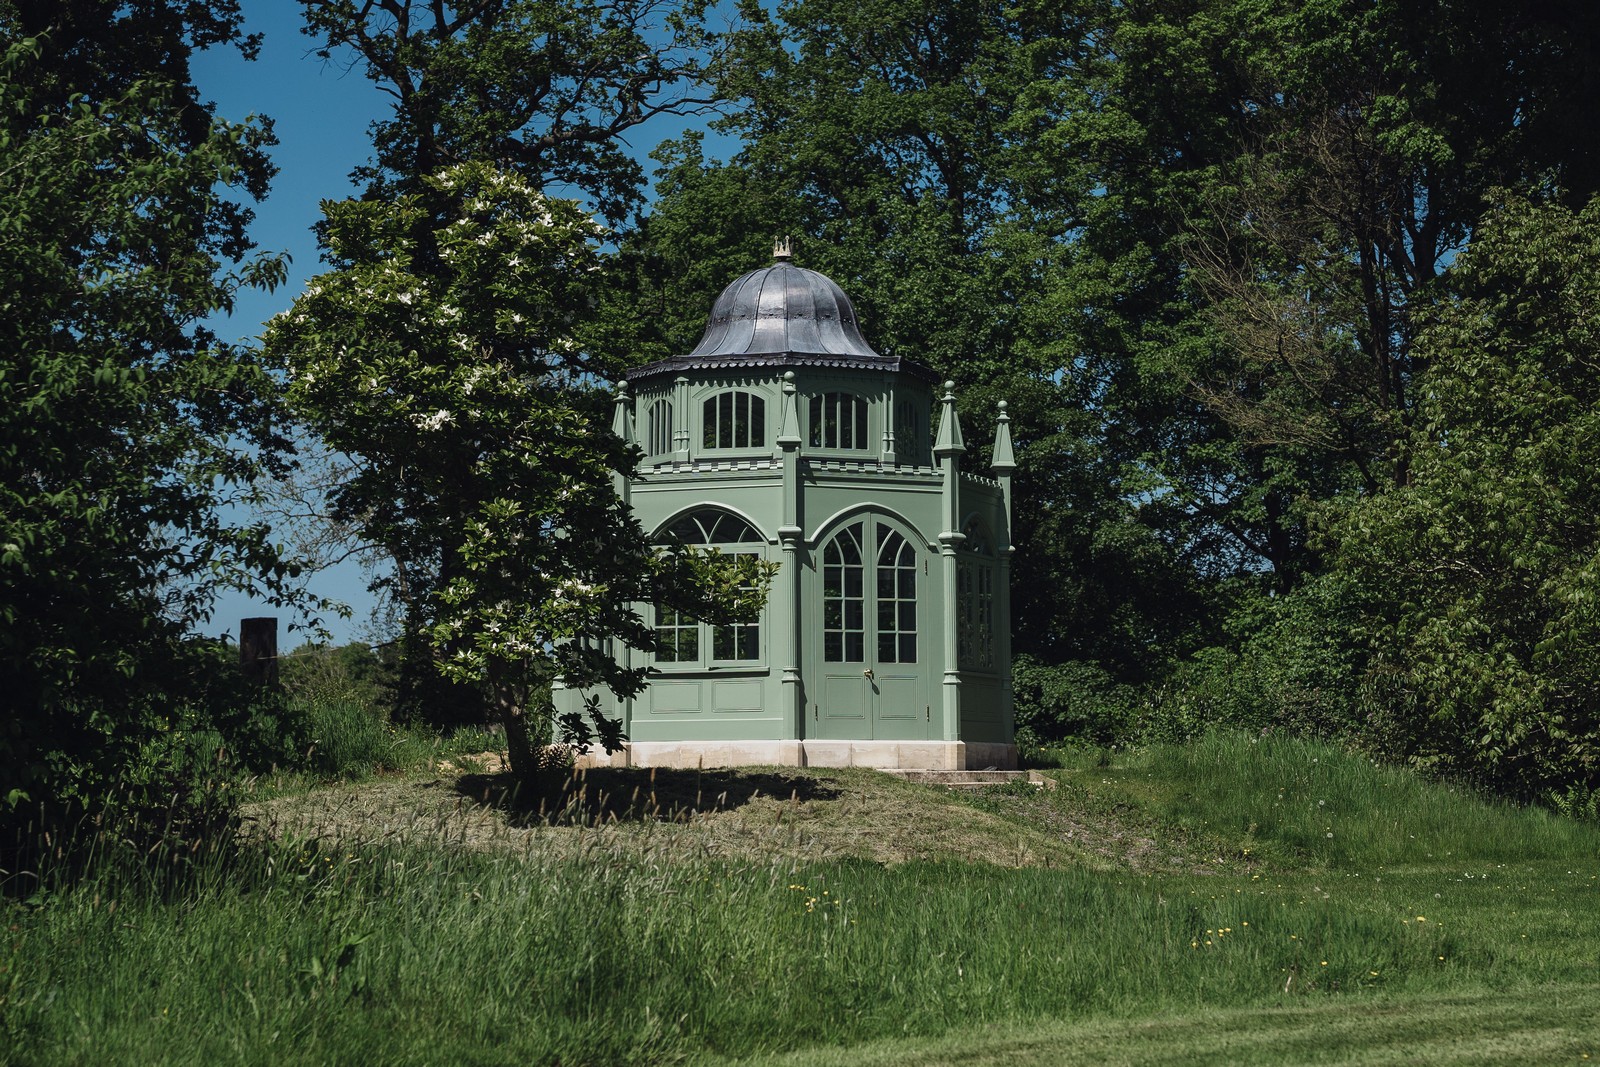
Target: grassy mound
<point x="754" y="923"/>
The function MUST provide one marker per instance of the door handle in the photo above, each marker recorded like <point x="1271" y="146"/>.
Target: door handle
<point x="868" y="673"/>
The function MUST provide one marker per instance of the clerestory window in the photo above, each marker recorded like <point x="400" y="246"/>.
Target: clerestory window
<point x="659" y="428"/>
<point x="839" y="420"/>
<point x="734" y="419"/>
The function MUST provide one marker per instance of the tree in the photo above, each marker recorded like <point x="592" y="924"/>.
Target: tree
<point x="1266" y="193"/>
<point x="545" y="89"/>
<point x="545" y="92"/>
<point x="440" y="356"/>
<point x="1479" y="578"/>
<point x="125" y="424"/>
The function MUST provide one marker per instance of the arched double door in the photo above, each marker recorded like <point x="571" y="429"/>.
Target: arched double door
<point x="870" y="641"/>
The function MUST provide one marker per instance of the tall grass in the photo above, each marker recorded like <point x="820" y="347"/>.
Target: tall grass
<point x="588" y="947"/>
<point x="296" y="954"/>
<point x="1325" y="804"/>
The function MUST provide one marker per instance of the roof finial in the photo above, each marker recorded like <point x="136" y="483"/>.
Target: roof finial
<point x="781" y="249"/>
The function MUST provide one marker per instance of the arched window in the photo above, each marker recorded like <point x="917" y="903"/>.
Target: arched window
<point x="975" y="581"/>
<point x="659" y="425"/>
<point x="839" y="420"/>
<point x="686" y="641"/>
<point x="711" y="526"/>
<point x="734" y="420"/>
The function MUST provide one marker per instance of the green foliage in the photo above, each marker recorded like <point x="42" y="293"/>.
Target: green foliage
<point x="355" y="674"/>
<point x="1074" y="703"/>
<point x="1296" y="667"/>
<point x="1478" y="578"/>
<point x="547" y="90"/>
<point x="125" y="424"/>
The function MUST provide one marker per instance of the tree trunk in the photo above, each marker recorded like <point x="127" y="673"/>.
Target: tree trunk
<point x="513" y="714"/>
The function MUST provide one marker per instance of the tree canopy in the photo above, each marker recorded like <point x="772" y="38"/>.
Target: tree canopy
<point x="125" y="423"/>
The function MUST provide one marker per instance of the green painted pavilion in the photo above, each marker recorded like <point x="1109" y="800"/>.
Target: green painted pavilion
<point x="885" y="640"/>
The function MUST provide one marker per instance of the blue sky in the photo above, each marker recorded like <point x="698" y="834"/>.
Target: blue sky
<point x="320" y="112"/>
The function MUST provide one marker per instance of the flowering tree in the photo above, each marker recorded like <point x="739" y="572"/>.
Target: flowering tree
<point x="439" y="355"/>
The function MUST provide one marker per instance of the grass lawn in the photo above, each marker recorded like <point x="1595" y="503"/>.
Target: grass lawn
<point x="1231" y="901"/>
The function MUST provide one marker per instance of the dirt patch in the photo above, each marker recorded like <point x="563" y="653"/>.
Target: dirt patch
<point x="755" y="813"/>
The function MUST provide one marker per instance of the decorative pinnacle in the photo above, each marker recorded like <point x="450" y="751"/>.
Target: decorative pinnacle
<point x="949" y="441"/>
<point x="788" y="381"/>
<point x="1005" y="459"/>
<point x="782" y="249"/>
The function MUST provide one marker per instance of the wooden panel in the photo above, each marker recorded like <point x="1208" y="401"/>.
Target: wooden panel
<point x="674" y="698"/>
<point x="897" y="696"/>
<point x="738" y="698"/>
<point x="898" y="714"/>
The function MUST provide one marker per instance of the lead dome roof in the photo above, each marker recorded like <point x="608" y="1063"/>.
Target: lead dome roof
<point x="782" y="316"/>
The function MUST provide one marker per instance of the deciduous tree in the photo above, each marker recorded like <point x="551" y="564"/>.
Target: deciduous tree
<point x="125" y="424"/>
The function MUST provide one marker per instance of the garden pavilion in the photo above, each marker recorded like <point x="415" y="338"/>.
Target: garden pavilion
<point x="885" y="640"/>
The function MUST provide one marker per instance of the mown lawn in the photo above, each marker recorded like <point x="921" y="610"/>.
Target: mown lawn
<point x="1431" y="927"/>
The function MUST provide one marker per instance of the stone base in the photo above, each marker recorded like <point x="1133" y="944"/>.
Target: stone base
<point x="882" y="755"/>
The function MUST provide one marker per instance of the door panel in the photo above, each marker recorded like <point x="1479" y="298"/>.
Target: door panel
<point x="868" y="636"/>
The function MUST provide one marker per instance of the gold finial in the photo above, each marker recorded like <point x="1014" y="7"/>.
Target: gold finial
<point x="781" y="249"/>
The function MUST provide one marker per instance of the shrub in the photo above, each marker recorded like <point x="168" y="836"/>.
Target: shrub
<point x="1074" y="703"/>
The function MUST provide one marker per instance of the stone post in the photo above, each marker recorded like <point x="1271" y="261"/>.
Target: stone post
<point x="258" y="649"/>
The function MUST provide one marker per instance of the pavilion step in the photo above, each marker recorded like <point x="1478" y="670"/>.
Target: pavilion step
<point x="972" y="779"/>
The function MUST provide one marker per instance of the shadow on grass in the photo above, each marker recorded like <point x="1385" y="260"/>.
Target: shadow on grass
<point x="638" y="794"/>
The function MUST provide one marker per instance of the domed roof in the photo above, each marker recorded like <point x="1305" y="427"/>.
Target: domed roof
<point x="782" y="316"/>
<point x="783" y="310"/>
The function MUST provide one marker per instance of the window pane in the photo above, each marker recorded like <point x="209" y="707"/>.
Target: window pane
<point x="854" y="614"/>
<point x="908" y="648"/>
<point x="886" y="648"/>
<point x="855" y="647"/>
<point x="816" y="422"/>
<point x="833" y="647"/>
<point x="908" y="616"/>
<point x="758" y="421"/>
